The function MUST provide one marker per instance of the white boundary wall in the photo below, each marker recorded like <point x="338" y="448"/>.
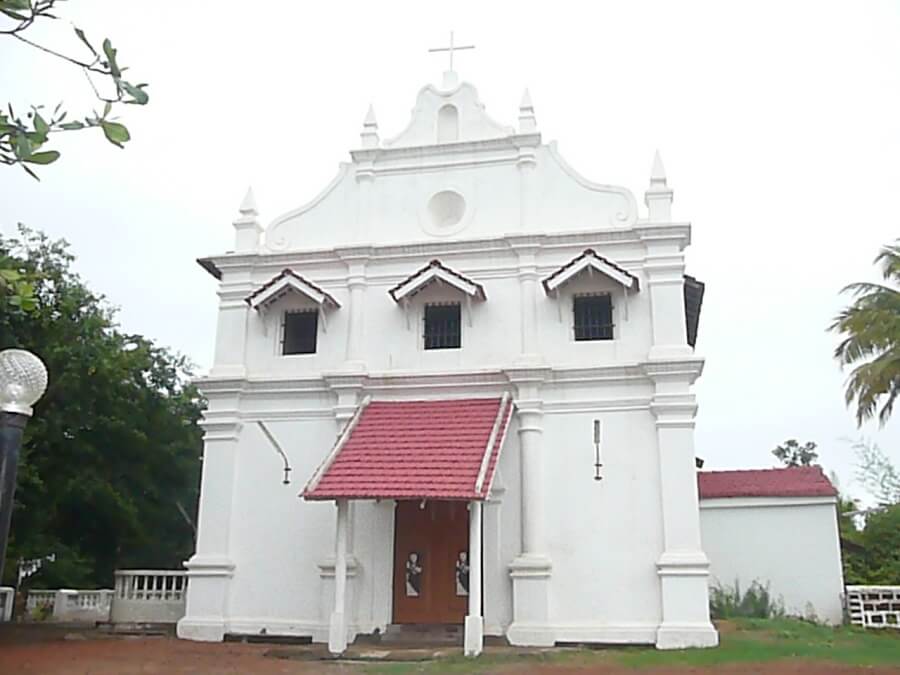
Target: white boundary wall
<point x="789" y="543"/>
<point x="7" y="599"/>
<point x="874" y="606"/>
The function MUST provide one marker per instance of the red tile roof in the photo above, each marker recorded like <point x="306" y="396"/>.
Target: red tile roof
<point x="589" y="253"/>
<point x="479" y="289"/>
<point x="416" y="450"/>
<point x="287" y="272"/>
<point x="799" y="481"/>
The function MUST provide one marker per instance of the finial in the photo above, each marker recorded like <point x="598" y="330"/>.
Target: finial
<point x="369" y="135"/>
<point x="248" y="205"/>
<point x="527" y="121"/>
<point x="247" y="229"/>
<point x="658" y="196"/>
<point x="658" y="172"/>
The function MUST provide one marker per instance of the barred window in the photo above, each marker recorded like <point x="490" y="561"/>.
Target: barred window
<point x="299" y="332"/>
<point x="442" y="326"/>
<point x="593" y="317"/>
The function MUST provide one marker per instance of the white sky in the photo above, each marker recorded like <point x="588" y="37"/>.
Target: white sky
<point x="777" y="121"/>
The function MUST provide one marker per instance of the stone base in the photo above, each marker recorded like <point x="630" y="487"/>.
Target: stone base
<point x="201" y="630"/>
<point x="337" y="633"/>
<point x="524" y="635"/>
<point x="684" y="636"/>
<point x="474" y="638"/>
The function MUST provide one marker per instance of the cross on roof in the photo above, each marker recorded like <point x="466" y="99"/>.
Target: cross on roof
<point x="452" y="48"/>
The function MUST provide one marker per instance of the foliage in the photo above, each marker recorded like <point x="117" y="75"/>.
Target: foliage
<point x="785" y="642"/>
<point x="728" y="602"/>
<point x="791" y="453"/>
<point x="881" y="540"/>
<point x="111" y="455"/>
<point x="876" y="473"/>
<point x="870" y="330"/>
<point x="23" y="138"/>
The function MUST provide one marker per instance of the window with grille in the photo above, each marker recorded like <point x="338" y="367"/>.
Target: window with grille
<point x="593" y="317"/>
<point x="299" y="332"/>
<point x="442" y="326"/>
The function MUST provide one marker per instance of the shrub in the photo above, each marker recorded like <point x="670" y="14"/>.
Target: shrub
<point x="728" y="602"/>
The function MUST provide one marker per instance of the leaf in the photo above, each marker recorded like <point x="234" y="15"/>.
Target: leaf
<point x="111" y="57"/>
<point x="16" y="4"/>
<point x="136" y="92"/>
<point x="81" y="36"/>
<point x="107" y="108"/>
<point x="47" y="157"/>
<point x="13" y="15"/>
<point x="23" y="147"/>
<point x="41" y="126"/>
<point x="70" y="126"/>
<point x="115" y="133"/>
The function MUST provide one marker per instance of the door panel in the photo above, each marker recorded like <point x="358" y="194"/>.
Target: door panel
<point x="431" y="562"/>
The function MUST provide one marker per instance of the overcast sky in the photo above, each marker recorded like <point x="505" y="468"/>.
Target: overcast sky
<point x="778" y="122"/>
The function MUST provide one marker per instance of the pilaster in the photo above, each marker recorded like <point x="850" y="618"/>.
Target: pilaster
<point x="355" y="259"/>
<point x="683" y="567"/>
<point x="210" y="569"/>
<point x="231" y="324"/>
<point x="526" y="248"/>
<point x="531" y="571"/>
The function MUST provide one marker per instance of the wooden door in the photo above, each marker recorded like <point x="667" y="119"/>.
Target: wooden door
<point x="431" y="562"/>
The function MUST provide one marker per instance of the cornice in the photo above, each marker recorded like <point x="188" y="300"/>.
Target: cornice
<point x="416" y="152"/>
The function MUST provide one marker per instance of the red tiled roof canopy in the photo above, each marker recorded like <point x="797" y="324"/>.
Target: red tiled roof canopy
<point x="416" y="450"/>
<point x="799" y="481"/>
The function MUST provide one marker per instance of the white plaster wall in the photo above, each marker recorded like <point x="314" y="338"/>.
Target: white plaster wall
<point x="791" y="544"/>
<point x="604" y="536"/>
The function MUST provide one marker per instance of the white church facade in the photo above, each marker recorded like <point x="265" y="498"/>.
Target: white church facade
<point x="473" y="368"/>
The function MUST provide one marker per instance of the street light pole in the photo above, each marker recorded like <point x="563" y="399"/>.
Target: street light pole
<point x="23" y="379"/>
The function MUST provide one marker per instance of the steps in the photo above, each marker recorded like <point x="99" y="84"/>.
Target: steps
<point x="439" y="634"/>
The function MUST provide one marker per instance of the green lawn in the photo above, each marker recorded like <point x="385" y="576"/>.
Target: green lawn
<point x="742" y="641"/>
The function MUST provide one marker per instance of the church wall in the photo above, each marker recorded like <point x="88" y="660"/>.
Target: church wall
<point x="604" y="536"/>
<point x="791" y="544"/>
<point x="277" y="539"/>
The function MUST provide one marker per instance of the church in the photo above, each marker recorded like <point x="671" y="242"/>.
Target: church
<point x="455" y="389"/>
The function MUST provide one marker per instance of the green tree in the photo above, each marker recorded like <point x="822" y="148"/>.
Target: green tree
<point x="791" y="453"/>
<point x="110" y="464"/>
<point x="23" y="138"/>
<point x="870" y="328"/>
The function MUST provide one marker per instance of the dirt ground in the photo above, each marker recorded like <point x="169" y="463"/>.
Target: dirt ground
<point x="62" y="653"/>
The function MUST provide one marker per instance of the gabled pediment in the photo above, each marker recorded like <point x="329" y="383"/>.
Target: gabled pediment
<point x="590" y="262"/>
<point x="433" y="272"/>
<point x="288" y="281"/>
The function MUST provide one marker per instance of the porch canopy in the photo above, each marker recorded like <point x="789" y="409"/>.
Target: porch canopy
<point x="438" y="449"/>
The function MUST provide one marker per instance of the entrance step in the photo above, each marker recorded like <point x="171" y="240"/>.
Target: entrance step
<point x="423" y="634"/>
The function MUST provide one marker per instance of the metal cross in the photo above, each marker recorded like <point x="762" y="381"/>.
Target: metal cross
<point x="452" y="48"/>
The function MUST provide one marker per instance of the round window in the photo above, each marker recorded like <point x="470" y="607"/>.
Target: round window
<point x="446" y="209"/>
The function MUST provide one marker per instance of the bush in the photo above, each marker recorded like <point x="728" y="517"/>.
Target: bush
<point x="756" y="603"/>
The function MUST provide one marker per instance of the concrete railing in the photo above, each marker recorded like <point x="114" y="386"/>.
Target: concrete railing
<point x="7" y="600"/>
<point x="66" y="604"/>
<point x="149" y="596"/>
<point x="874" y="606"/>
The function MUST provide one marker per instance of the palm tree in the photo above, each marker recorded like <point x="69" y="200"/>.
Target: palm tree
<point x="870" y="328"/>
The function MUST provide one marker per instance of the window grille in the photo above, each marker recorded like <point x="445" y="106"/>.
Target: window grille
<point x="298" y="335"/>
<point x="443" y="326"/>
<point x="593" y="317"/>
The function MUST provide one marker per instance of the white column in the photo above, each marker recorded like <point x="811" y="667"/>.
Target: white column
<point x="526" y="248"/>
<point x="474" y="638"/>
<point x="683" y="567"/>
<point x="356" y="281"/>
<point x="530" y="572"/>
<point x="337" y="630"/>
<point x="531" y="432"/>
<point x="210" y="568"/>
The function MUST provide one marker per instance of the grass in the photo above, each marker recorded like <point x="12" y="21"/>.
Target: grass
<point x="743" y="641"/>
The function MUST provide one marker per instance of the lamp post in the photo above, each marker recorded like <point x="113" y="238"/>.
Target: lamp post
<point x="23" y="379"/>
